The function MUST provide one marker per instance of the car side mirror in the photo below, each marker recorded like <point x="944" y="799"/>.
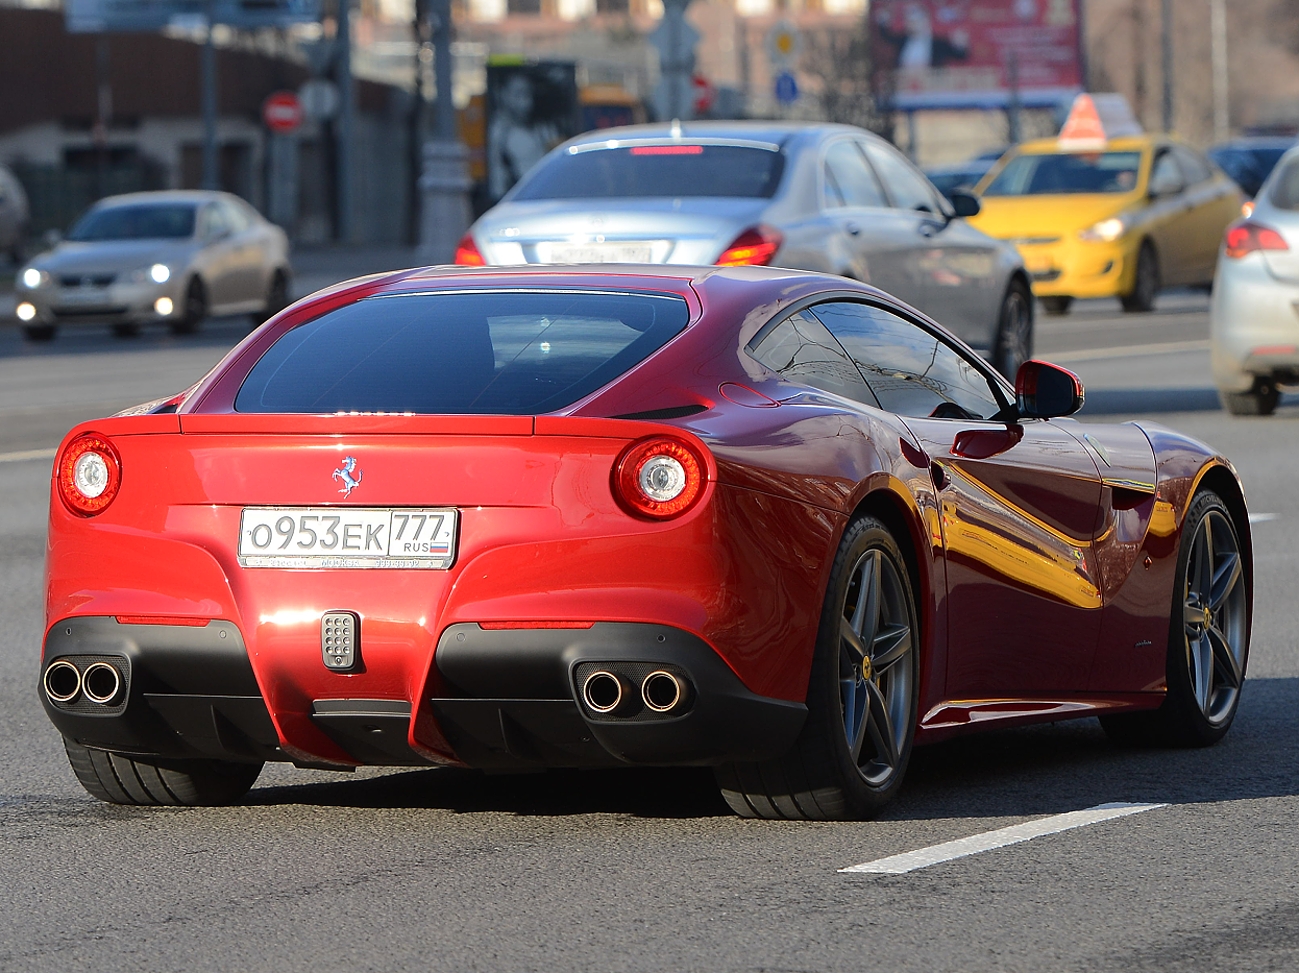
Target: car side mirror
<point x="965" y="204"/>
<point x="1044" y="391"/>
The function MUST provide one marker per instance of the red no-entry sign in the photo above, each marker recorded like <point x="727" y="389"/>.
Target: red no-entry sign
<point x="282" y="112"/>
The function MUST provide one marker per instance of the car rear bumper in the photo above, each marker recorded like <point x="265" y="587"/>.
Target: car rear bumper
<point x="509" y="698"/>
<point x="1253" y="324"/>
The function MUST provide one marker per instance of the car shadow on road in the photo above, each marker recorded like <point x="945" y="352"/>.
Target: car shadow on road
<point x="1022" y="771"/>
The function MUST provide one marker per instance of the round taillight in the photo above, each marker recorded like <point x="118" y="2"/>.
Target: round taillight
<point x="89" y="474"/>
<point x="659" y="478"/>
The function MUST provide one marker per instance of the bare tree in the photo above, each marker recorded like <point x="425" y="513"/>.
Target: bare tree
<point x="841" y="65"/>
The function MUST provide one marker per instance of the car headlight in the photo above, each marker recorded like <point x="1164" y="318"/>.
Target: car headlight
<point x="1106" y="231"/>
<point x="157" y="274"/>
<point x="33" y="278"/>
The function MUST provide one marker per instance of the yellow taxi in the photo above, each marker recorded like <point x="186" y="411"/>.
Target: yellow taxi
<point x="1108" y="217"/>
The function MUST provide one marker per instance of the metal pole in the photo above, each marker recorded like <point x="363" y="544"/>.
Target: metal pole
<point x="1221" y="103"/>
<point x="444" y="122"/>
<point x="1012" y="113"/>
<point x="346" y="112"/>
<point x="211" y="179"/>
<point x="1166" y="28"/>
<point x="444" y="184"/>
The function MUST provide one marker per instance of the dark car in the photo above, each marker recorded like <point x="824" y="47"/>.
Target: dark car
<point x="1249" y="161"/>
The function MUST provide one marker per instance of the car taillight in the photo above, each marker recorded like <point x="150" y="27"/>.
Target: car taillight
<point x="1247" y="237"/>
<point x="754" y="247"/>
<point x="467" y="254"/>
<point x="660" y="477"/>
<point x="89" y="474"/>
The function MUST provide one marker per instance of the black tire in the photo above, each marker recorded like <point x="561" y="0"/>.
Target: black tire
<point x="39" y="332"/>
<point x="1146" y="286"/>
<point x="277" y="297"/>
<point x="126" y="331"/>
<point x="1261" y="400"/>
<point x="1014" y="330"/>
<point x="118" y="779"/>
<point x="1056" y="306"/>
<point x="819" y="779"/>
<point x="194" y="311"/>
<point x="1207" y="655"/>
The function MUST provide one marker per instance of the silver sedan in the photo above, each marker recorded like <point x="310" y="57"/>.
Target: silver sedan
<point x="164" y="257"/>
<point x="815" y="197"/>
<point x="1254" y="315"/>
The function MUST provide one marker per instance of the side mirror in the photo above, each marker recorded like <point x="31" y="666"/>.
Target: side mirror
<point x="1044" y="391"/>
<point x="965" y="204"/>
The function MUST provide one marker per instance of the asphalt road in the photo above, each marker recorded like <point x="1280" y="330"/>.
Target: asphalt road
<point x="647" y="870"/>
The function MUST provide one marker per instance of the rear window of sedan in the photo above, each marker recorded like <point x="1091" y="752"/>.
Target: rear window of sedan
<point x="153" y="221"/>
<point x="1285" y="186"/>
<point x="461" y="353"/>
<point x="1050" y="174"/>
<point x="643" y="171"/>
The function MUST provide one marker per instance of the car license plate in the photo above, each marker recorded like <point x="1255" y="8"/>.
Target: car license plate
<point x="83" y="296"/>
<point x="601" y="253"/>
<point x="347" y="537"/>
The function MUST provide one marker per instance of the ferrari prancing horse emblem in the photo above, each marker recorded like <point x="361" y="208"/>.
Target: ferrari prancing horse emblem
<point x="348" y="475"/>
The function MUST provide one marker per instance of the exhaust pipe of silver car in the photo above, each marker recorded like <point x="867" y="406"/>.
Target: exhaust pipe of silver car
<point x="62" y="681"/>
<point x="101" y="683"/>
<point x="662" y="691"/>
<point x="604" y="692"/>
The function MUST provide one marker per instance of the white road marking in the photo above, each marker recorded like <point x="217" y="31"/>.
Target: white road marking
<point x="991" y="840"/>
<point x="27" y="454"/>
<point x="1094" y="354"/>
<point x="1262" y="518"/>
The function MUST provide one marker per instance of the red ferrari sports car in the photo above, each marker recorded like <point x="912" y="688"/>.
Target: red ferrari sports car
<point x="772" y="522"/>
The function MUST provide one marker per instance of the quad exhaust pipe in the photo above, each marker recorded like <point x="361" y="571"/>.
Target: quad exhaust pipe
<point x="62" y="681"/>
<point x="101" y="683"/>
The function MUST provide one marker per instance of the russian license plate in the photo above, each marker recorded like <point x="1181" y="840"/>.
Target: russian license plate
<point x="347" y="537"/>
<point x="602" y="253"/>
<point x="83" y="296"/>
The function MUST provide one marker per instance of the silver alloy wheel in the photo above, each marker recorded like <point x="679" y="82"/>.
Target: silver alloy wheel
<point x="1214" y="617"/>
<point x="875" y="669"/>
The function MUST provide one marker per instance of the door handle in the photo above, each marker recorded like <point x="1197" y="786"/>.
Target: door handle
<point x="852" y="228"/>
<point x="927" y="229"/>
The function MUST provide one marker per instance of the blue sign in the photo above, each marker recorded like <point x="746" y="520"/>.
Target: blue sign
<point x="786" y="88"/>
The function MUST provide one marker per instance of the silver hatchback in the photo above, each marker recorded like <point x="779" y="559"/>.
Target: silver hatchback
<point x="813" y="197"/>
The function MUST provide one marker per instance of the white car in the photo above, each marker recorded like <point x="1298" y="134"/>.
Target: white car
<point x="1254" y="315"/>
<point x="170" y="258"/>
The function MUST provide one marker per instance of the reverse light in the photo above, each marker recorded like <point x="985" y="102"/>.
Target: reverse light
<point x="467" y="253"/>
<point x="1106" y="231"/>
<point x="1246" y="237"/>
<point x="755" y="247"/>
<point x="659" y="478"/>
<point x="89" y="474"/>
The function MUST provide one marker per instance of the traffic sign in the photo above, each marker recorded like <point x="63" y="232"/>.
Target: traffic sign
<point x="282" y="112"/>
<point x="786" y="88"/>
<point x="704" y="94"/>
<point x="784" y="43"/>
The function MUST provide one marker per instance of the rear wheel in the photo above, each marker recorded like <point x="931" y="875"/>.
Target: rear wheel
<point x="1260" y="400"/>
<point x="1056" y="306"/>
<point x="1208" y="641"/>
<point x="851" y="755"/>
<point x="1014" y="330"/>
<point x="1146" y="285"/>
<point x="194" y="310"/>
<point x="118" y="779"/>
<point x="38" y="332"/>
<point x="277" y="297"/>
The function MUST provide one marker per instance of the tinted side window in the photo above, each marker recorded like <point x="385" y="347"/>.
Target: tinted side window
<point x="907" y="187"/>
<point x="235" y="217"/>
<point x="911" y="372"/>
<point x="846" y="171"/>
<point x="1166" y="177"/>
<point x="802" y="351"/>
<point x="1193" y="168"/>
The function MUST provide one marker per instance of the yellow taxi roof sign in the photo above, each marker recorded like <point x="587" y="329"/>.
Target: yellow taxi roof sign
<point x="1095" y="119"/>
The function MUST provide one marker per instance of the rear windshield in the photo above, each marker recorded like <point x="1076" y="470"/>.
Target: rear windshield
<point x="1285" y="186"/>
<point x="154" y="221"/>
<point x="640" y="171"/>
<point x="1101" y="172"/>
<point x="467" y="353"/>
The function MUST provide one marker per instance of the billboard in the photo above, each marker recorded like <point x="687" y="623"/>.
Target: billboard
<point x="959" y="53"/>
<point x="96" y="16"/>
<point x="532" y="106"/>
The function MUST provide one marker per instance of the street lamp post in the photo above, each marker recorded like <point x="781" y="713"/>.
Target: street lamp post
<point x="444" y="183"/>
<point x="1221" y="104"/>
